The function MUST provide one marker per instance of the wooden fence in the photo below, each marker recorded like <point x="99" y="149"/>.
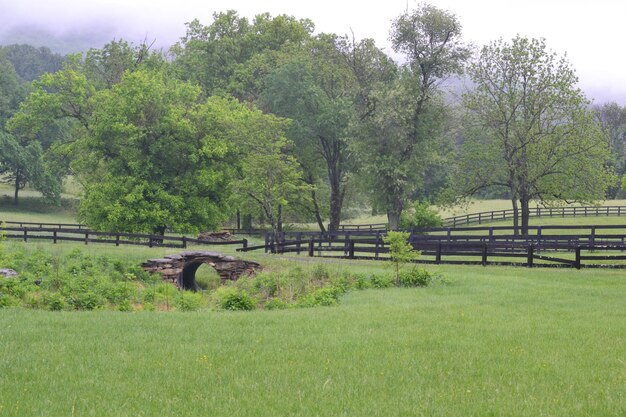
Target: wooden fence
<point x="86" y="236"/>
<point x="490" y="216"/>
<point x="564" y="246"/>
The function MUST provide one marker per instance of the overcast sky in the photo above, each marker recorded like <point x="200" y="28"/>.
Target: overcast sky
<point x="590" y="32"/>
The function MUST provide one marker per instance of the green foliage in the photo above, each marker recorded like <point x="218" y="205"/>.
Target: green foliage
<point x="325" y="296"/>
<point x="415" y="277"/>
<point x="530" y="130"/>
<point x="189" y="301"/>
<point x="270" y="180"/>
<point x="231" y="298"/>
<point x="420" y="214"/>
<point x="381" y="281"/>
<point x="401" y="251"/>
<point x="401" y="138"/>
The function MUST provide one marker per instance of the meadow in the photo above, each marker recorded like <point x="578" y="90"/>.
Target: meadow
<point x="494" y="341"/>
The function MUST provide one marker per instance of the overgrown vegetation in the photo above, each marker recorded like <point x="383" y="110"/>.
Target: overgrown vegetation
<point x="79" y="281"/>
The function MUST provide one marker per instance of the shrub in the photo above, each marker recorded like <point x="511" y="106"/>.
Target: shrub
<point x="320" y="273"/>
<point x="231" y="298"/>
<point x="266" y="284"/>
<point x="189" y="301"/>
<point x="7" y="300"/>
<point x="275" y="304"/>
<point x="53" y="301"/>
<point x="381" y="281"/>
<point x="326" y="296"/>
<point x="415" y="277"/>
<point x="420" y="215"/>
<point x="85" y="301"/>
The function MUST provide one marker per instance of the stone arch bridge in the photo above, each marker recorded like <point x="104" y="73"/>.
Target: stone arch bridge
<point x="180" y="269"/>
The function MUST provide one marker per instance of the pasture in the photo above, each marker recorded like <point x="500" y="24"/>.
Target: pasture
<point x="498" y="341"/>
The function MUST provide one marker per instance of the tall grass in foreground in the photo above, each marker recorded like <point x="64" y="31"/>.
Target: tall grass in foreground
<point x="494" y="342"/>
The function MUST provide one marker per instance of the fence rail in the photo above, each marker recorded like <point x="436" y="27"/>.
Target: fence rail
<point x="490" y="216"/>
<point x="529" y="254"/>
<point x="547" y="245"/>
<point x="86" y="236"/>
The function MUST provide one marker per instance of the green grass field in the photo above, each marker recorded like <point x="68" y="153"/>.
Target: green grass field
<point x="494" y="341"/>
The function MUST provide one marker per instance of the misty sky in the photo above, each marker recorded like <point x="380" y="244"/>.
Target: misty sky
<point x="590" y="32"/>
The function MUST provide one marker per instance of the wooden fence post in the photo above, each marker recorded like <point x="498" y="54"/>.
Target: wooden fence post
<point x="577" y="264"/>
<point x="351" y="250"/>
<point x="438" y="256"/>
<point x="54" y="236"/>
<point x="117" y="240"/>
<point x="531" y="254"/>
<point x="86" y="238"/>
<point x="377" y="245"/>
<point x="311" y="247"/>
<point x="592" y="238"/>
<point x="25" y="235"/>
<point x="184" y="242"/>
<point x="484" y="257"/>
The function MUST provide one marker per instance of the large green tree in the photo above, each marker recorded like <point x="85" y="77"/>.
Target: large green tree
<point x="400" y="137"/>
<point x="157" y="156"/>
<point x="531" y="130"/>
<point x="270" y="180"/>
<point x="316" y="91"/>
<point x="612" y="119"/>
<point x="23" y="160"/>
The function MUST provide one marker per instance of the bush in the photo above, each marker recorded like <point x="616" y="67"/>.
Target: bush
<point x="326" y="296"/>
<point x="189" y="301"/>
<point x="7" y="300"/>
<point x="266" y="284"/>
<point x="415" y="277"/>
<point x="420" y="215"/>
<point x="230" y="298"/>
<point x="381" y="281"/>
<point x="85" y="301"/>
<point x="275" y="304"/>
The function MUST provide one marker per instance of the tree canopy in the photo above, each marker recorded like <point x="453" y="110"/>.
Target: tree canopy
<point x="531" y="130"/>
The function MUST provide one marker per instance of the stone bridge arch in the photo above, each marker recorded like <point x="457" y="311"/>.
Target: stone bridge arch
<point x="180" y="269"/>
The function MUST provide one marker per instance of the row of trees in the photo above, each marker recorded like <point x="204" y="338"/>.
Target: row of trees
<point x="267" y="117"/>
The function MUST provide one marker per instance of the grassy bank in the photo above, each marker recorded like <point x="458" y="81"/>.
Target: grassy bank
<point x="494" y="341"/>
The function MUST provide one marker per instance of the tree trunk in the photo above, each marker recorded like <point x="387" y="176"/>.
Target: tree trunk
<point x="316" y="211"/>
<point x="17" y="187"/>
<point x="336" y="202"/>
<point x="525" y="203"/>
<point x="238" y="226"/>
<point x="393" y="214"/>
<point x="515" y="216"/>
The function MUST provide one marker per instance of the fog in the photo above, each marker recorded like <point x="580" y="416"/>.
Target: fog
<point x="589" y="32"/>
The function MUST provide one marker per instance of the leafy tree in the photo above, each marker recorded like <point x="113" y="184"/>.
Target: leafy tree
<point x="30" y="62"/>
<point x="531" y="130"/>
<point x="232" y="54"/>
<point x="270" y="180"/>
<point x="22" y="158"/>
<point x="401" y="251"/>
<point x="24" y="163"/>
<point x="156" y="156"/>
<point x="399" y="138"/>
<point x="612" y="119"/>
<point x="314" y="91"/>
